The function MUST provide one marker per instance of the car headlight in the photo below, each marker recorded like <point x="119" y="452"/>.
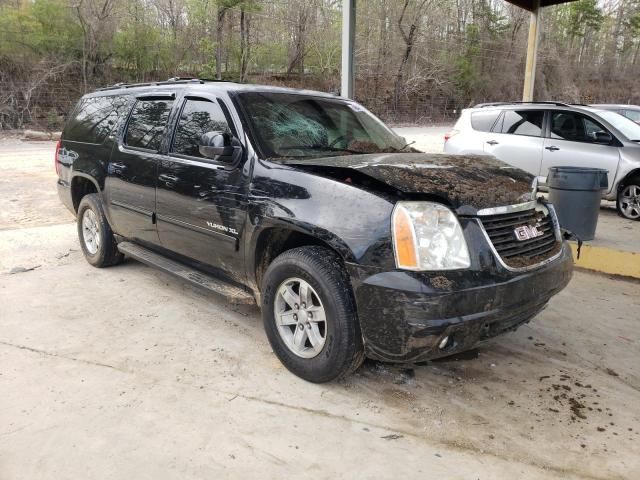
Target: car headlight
<point x="428" y="236"/>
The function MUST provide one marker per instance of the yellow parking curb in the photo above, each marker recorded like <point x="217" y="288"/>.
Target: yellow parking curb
<point x="607" y="260"/>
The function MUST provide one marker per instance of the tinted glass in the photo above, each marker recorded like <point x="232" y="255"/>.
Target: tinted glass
<point x="303" y="126"/>
<point x="197" y="117"/>
<point x="483" y="121"/>
<point x="147" y="123"/>
<point x="574" y="127"/>
<point x="95" y="118"/>
<point x="525" y="122"/>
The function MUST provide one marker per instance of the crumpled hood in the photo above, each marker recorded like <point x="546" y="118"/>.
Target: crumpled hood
<point x="478" y="181"/>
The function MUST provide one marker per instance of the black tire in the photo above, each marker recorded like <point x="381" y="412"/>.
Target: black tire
<point x="342" y="352"/>
<point x="106" y="253"/>
<point x="634" y="181"/>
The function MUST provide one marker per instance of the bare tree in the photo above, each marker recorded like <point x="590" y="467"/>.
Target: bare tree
<point x="408" y="36"/>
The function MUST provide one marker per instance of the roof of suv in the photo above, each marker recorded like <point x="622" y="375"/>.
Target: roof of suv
<point x="204" y="85"/>
<point x="537" y="105"/>
<point x="519" y="104"/>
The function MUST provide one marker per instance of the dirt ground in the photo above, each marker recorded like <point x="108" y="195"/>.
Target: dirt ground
<point x="127" y="373"/>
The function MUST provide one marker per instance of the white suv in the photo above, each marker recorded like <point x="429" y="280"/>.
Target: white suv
<point x="536" y="136"/>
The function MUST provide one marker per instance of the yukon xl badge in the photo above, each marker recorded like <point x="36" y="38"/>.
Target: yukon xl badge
<point x="527" y="232"/>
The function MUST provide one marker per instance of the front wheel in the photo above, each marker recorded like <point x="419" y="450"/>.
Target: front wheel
<point x="628" y="200"/>
<point x="309" y="315"/>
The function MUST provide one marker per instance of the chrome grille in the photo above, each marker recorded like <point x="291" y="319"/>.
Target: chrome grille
<point x="500" y="229"/>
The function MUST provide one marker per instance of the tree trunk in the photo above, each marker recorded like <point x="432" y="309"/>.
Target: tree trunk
<point x="219" y="35"/>
<point x="244" y="45"/>
<point x="408" y="38"/>
<point x="299" y="43"/>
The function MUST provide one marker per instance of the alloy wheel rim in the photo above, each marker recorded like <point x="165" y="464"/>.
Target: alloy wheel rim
<point x="90" y="231"/>
<point x="300" y="318"/>
<point x="630" y="201"/>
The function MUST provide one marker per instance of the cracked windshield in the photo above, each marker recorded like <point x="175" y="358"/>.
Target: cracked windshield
<point x="300" y="126"/>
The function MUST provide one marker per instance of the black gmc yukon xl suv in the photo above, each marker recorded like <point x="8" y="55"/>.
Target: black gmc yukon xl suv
<point x="353" y="243"/>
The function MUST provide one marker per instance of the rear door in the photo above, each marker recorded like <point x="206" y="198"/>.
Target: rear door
<point x="517" y="139"/>
<point x="571" y="143"/>
<point x="133" y="168"/>
<point x="201" y="203"/>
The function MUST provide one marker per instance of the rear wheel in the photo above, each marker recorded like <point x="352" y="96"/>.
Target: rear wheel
<point x="309" y="315"/>
<point x="96" y="238"/>
<point x="628" y="200"/>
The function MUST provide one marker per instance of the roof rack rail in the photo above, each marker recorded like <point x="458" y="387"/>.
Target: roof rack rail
<point x="170" y="81"/>
<point x="497" y="104"/>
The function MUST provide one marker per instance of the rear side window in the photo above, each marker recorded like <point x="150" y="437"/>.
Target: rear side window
<point x="483" y="121"/>
<point x="523" y="122"/>
<point x="147" y="124"/>
<point x="95" y="118"/>
<point x="197" y="118"/>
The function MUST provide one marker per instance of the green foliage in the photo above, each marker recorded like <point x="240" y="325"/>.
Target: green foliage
<point x="463" y="50"/>
<point x="494" y="23"/>
<point x="41" y="28"/>
<point x="576" y="17"/>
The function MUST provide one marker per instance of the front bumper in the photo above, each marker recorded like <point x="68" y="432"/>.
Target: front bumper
<point x="404" y="316"/>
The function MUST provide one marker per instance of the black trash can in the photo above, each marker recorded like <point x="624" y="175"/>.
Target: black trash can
<point x="575" y="193"/>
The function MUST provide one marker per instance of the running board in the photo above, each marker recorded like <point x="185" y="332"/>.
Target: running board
<point x="232" y="293"/>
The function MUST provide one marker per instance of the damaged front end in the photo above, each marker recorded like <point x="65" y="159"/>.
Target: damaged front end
<point x="411" y="316"/>
<point x="475" y="253"/>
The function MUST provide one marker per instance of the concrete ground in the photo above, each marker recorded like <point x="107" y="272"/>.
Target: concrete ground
<point x="127" y="373"/>
<point x="614" y="231"/>
<point x="427" y="139"/>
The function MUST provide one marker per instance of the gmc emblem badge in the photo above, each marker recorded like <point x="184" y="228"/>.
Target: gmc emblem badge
<point x="526" y="232"/>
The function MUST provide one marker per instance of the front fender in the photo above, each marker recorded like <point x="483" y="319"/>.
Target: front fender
<point x="355" y="222"/>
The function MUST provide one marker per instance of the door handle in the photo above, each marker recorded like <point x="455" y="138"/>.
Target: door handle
<point x="168" y="179"/>
<point x="552" y="148"/>
<point x="117" y="168"/>
<point x="492" y="142"/>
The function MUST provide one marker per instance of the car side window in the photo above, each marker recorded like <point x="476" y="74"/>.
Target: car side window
<point x="147" y="124"/>
<point x="483" y="120"/>
<point x="96" y="117"/>
<point x="574" y="127"/>
<point x="523" y="122"/>
<point x="197" y="118"/>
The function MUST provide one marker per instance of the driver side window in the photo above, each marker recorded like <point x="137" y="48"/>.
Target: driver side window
<point x="574" y="127"/>
<point x="197" y="118"/>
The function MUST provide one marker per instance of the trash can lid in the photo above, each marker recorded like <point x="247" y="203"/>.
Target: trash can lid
<point x="578" y="178"/>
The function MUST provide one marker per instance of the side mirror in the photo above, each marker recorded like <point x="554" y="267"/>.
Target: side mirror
<point x="220" y="146"/>
<point x="603" y="138"/>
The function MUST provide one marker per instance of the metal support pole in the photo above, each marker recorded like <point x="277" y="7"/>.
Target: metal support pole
<point x="348" y="43"/>
<point x="532" y="53"/>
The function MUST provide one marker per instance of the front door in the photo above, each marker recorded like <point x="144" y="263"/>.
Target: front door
<point x="517" y="139"/>
<point x="571" y="143"/>
<point x="133" y="170"/>
<point x="201" y="203"/>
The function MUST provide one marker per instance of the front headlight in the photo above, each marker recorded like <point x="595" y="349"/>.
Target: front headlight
<point x="428" y="236"/>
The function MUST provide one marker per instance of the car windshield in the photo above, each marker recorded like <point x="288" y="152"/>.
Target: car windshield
<point x="304" y="126"/>
<point x="627" y="127"/>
